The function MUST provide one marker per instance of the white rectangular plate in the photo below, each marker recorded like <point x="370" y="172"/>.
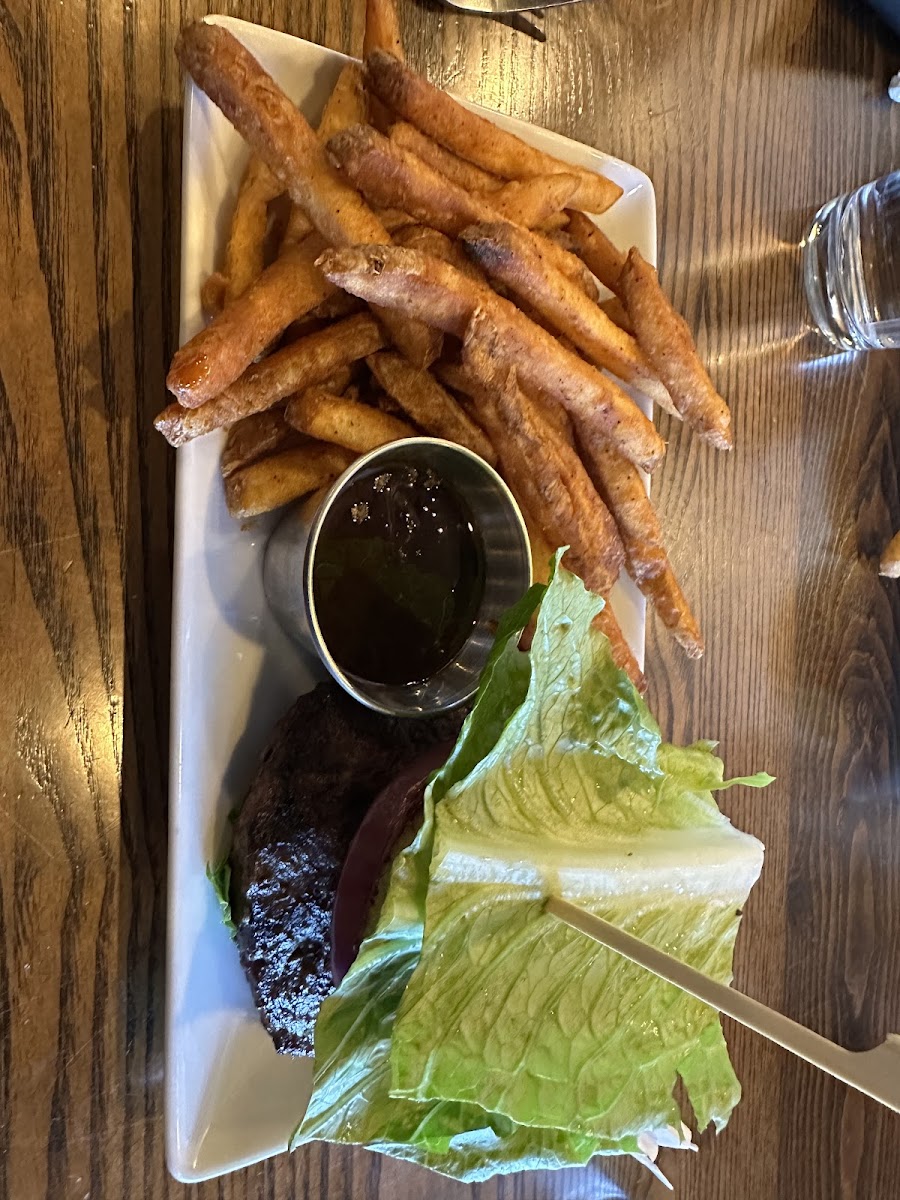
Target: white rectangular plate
<point x="230" y="1099"/>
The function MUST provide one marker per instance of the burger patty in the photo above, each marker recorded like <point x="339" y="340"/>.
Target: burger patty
<point x="327" y="760"/>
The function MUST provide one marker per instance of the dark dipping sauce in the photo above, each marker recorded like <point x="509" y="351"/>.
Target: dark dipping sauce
<point x="399" y="575"/>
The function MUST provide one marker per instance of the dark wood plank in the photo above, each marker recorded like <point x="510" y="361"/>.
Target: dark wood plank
<point x="745" y="117"/>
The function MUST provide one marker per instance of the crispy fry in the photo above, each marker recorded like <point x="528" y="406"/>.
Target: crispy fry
<point x="666" y="596"/>
<point x="283" y="477"/>
<point x="510" y="255"/>
<point x="664" y="337"/>
<point x="591" y="244"/>
<point x="297" y="228"/>
<point x="256" y="436"/>
<point x="615" y="310"/>
<point x="390" y="175"/>
<point x="464" y="174"/>
<point x="342" y="421"/>
<point x="303" y="363"/>
<point x="571" y="510"/>
<point x="472" y="137"/>
<point x="424" y="287"/>
<point x="424" y="400"/>
<point x="461" y="380"/>
<point x="245" y="251"/>
<point x="433" y="242"/>
<point x="279" y="133"/>
<point x="605" y="622"/>
<point x="346" y="105"/>
<point x="890" y="559"/>
<point x="212" y="293"/>
<point x="534" y="202"/>
<point x="382" y="28"/>
<point x="622" y="488"/>
<point x="212" y="360"/>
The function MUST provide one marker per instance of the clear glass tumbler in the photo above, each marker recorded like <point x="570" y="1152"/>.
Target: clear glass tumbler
<point x="851" y="267"/>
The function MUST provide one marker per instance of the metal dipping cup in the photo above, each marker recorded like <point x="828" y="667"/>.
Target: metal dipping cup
<point x="291" y="557"/>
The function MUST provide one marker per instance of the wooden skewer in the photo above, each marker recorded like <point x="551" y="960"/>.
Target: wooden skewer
<point x="876" y="1072"/>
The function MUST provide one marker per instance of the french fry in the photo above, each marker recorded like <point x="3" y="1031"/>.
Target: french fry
<point x="432" y="241"/>
<point x="510" y="255"/>
<point x="256" y="436"/>
<point x="342" y="421"/>
<point x="464" y="174"/>
<point x="382" y="30"/>
<point x="432" y="408"/>
<point x="664" y="337"/>
<point x="534" y="202"/>
<point x="346" y="105"/>
<point x="646" y="559"/>
<point x="890" y="559"/>
<point x="301" y="364"/>
<point x="605" y="622"/>
<point x="218" y="354"/>
<point x="392" y="176"/>
<point x="571" y="510"/>
<point x="424" y="287"/>
<point x="212" y="293"/>
<point x="279" y="133"/>
<point x="459" y="379"/>
<point x="271" y="482"/>
<point x="245" y="250"/>
<point x="600" y="255"/>
<point x="665" y="594"/>
<point x="297" y="228"/>
<point x="615" y="310"/>
<point x="472" y="137"/>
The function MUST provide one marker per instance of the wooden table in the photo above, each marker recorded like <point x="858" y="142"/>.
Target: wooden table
<point x="746" y="117"/>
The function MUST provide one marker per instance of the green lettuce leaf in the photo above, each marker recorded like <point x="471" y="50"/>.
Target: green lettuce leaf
<point x="477" y="1035"/>
<point x="219" y="875"/>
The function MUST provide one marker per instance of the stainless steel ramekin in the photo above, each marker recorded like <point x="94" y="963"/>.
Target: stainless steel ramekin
<point x="291" y="555"/>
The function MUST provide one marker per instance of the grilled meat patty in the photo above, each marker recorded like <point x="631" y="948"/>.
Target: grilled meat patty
<point x="327" y="760"/>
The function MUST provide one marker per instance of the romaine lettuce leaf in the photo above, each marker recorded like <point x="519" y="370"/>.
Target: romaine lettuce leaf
<point x="502" y="1039"/>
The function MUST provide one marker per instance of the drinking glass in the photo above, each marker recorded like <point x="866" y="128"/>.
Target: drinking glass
<point x="851" y="267"/>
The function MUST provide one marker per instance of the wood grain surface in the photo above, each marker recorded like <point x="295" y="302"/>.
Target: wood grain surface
<point x="746" y="116"/>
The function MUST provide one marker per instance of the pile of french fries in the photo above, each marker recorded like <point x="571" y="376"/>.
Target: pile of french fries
<point x="411" y="268"/>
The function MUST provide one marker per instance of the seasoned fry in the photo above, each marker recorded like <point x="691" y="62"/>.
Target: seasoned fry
<point x="424" y="400"/>
<point x="382" y="28"/>
<point x="283" y="477"/>
<point x="664" y="337"/>
<point x="534" y="202"/>
<point x="424" y="287"/>
<point x="297" y="228"/>
<point x="256" y="436"/>
<point x="666" y="596"/>
<point x="461" y="380"/>
<point x="212" y="293"/>
<point x="510" y="255"/>
<point x="346" y="105"/>
<point x="245" y="251"/>
<point x="615" y="310"/>
<point x="605" y="621"/>
<point x="622" y="488"/>
<point x="303" y="363"/>
<point x="571" y="510"/>
<point x="464" y="174"/>
<point x="472" y="137"/>
<point x="431" y="241"/>
<point x="890" y="560"/>
<point x="218" y="354"/>
<point x="279" y="133"/>
<point x="341" y="421"/>
<point x="605" y="260"/>
<point x="389" y="175"/>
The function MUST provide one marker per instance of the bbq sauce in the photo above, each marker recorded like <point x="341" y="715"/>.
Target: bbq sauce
<point x="398" y="576"/>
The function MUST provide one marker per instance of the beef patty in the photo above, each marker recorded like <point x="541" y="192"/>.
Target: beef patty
<point x="327" y="760"/>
